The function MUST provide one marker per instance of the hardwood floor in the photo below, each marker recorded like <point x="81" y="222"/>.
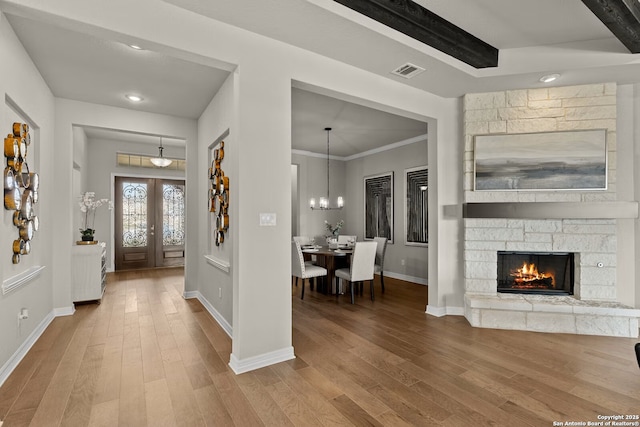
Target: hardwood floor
<point x="147" y="357"/>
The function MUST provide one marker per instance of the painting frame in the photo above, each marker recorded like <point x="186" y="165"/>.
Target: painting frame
<point x="541" y="161"/>
<point x="416" y="210"/>
<point x="378" y="206"/>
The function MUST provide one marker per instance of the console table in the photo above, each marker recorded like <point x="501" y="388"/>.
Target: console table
<point x="88" y="272"/>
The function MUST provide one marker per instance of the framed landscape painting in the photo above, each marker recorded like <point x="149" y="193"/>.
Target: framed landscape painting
<point x="378" y="206"/>
<point x="568" y="160"/>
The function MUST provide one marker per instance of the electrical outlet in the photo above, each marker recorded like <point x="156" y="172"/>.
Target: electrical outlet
<point x="402" y="262"/>
<point x="24" y="314"/>
<point x="219" y="292"/>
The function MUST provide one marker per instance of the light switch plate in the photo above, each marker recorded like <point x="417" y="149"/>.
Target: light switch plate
<point x="267" y="220"/>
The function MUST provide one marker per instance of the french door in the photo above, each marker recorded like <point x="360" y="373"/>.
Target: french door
<point x="149" y="223"/>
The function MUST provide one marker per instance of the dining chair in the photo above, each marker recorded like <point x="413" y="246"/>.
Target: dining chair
<point x="345" y="239"/>
<point x="305" y="240"/>
<point x="361" y="269"/>
<point x="380" y="252"/>
<point x="637" y="347"/>
<point x="302" y="270"/>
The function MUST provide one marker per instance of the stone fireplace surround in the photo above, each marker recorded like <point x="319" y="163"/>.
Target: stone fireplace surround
<point x="583" y="222"/>
<point x="592" y="310"/>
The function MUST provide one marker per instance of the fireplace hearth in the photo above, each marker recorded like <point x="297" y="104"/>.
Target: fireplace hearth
<point x="544" y="273"/>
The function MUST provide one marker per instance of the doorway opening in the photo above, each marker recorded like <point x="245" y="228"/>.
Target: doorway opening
<point x="149" y="223"/>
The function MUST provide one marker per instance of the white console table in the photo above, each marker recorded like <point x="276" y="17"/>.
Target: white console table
<point x="88" y="272"/>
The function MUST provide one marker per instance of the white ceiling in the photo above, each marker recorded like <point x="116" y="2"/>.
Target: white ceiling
<point x="507" y="24"/>
<point x="355" y="128"/>
<point x="534" y="38"/>
<point x="86" y="68"/>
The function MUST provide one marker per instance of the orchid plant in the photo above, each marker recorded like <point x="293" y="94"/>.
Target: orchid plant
<point x="88" y="205"/>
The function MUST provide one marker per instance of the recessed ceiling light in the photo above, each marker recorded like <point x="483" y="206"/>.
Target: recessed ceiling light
<point x="134" y="98"/>
<point x="549" y="78"/>
<point x="135" y="46"/>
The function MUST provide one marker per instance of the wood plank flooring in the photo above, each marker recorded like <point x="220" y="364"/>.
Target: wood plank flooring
<point x="147" y="357"/>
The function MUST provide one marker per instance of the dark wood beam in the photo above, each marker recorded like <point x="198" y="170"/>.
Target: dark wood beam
<point x="622" y="17"/>
<point x="421" y="24"/>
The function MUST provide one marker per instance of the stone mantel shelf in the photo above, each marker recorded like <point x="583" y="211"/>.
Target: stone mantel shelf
<point x="553" y="210"/>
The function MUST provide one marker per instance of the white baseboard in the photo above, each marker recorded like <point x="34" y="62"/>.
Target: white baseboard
<point x="64" y="311"/>
<point x="412" y="279"/>
<point x="15" y="359"/>
<point x="241" y="366"/>
<point x="444" y="311"/>
<point x="190" y="294"/>
<point x="257" y="362"/>
<point x="226" y="326"/>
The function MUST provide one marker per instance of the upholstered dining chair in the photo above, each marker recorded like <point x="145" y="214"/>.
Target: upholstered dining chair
<point x="638" y="353"/>
<point x="305" y="240"/>
<point x="302" y="270"/>
<point x="361" y="269"/>
<point x="380" y="252"/>
<point x="345" y="239"/>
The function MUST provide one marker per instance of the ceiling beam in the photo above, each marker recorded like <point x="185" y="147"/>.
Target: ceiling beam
<point x="622" y="18"/>
<point x="421" y="24"/>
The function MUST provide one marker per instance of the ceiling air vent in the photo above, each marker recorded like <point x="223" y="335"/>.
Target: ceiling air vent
<point x="407" y="70"/>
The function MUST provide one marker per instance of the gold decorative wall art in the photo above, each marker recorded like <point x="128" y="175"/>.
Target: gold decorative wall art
<point x="20" y="188"/>
<point x="219" y="195"/>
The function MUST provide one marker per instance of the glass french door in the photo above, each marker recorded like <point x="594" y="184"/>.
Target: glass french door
<point x="149" y="223"/>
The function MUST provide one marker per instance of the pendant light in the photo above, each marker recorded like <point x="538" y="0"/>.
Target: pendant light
<point x="160" y="161"/>
<point x="324" y="201"/>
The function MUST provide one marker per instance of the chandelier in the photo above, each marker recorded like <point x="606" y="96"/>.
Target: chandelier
<point x="324" y="201"/>
<point x="161" y="161"/>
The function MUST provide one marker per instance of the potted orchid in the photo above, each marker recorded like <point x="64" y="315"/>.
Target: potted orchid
<point x="88" y="205"/>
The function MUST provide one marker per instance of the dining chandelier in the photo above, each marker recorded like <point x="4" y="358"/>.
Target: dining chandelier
<point x="324" y="201"/>
<point x="161" y="161"/>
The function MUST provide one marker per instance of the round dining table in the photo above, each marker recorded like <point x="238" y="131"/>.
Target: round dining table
<point x="331" y="259"/>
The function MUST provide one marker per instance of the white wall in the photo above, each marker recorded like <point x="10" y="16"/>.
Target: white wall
<point x="396" y="161"/>
<point x="347" y="180"/>
<point x="632" y="131"/>
<point x="79" y="179"/>
<point x="101" y="167"/>
<point x="262" y="135"/>
<point x="626" y="145"/>
<point x="217" y="123"/>
<point x="28" y="99"/>
<point x="73" y="113"/>
<point x="312" y="177"/>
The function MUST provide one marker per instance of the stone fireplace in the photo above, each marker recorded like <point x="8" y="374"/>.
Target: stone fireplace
<point x="590" y="308"/>
<point x="592" y="241"/>
<point x="579" y="226"/>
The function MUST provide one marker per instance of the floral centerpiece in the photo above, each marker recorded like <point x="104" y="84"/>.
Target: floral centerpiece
<point x="88" y="205"/>
<point x="334" y="229"/>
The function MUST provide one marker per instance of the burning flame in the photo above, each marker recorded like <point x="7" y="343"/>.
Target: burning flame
<point x="529" y="273"/>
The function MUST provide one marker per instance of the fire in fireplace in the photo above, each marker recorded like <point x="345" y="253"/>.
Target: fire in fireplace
<point x="547" y="273"/>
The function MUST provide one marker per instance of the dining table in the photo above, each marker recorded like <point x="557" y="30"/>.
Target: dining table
<point x="331" y="259"/>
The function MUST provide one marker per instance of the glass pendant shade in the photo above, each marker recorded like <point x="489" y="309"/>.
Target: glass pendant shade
<point x="161" y="161"/>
